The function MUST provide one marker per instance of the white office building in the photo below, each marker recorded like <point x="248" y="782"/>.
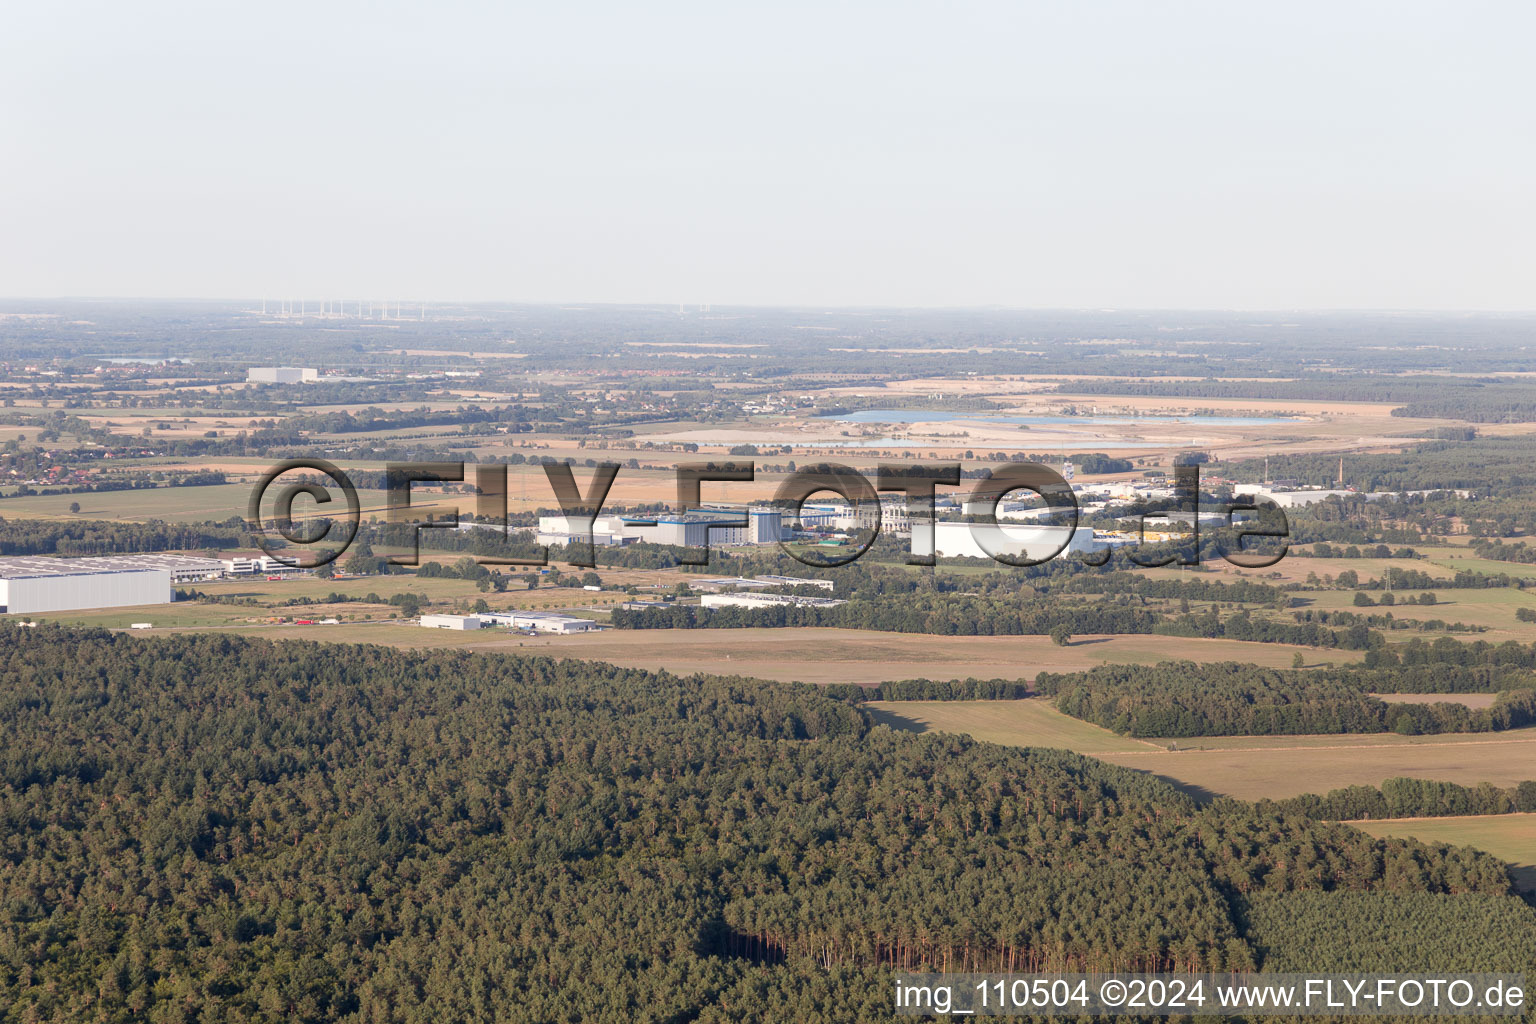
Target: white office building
<point x="256" y="564"/>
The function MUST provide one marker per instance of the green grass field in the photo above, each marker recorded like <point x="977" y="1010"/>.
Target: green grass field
<point x="171" y="504"/>
<point x="1509" y="836"/>
<point x="1252" y="767"/>
<point x="1461" y="559"/>
<point x="1034" y="722"/>
<point x="213" y="503"/>
<point x="1295" y="568"/>
<point x="1494" y="607"/>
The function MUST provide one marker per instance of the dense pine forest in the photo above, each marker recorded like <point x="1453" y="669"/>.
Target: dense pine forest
<point x="207" y="828"/>
<point x="1185" y="698"/>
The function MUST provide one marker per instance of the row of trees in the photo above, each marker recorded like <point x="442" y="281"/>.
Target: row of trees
<point x="1446" y="652"/>
<point x="931" y="689"/>
<point x="90" y="537"/>
<point x="981" y="615"/>
<point x="946" y="615"/>
<point x="1183" y="698"/>
<point x="1411" y="798"/>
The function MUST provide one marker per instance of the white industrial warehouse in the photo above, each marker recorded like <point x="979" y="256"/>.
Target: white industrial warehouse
<point x="766" y="601"/>
<point x="534" y="622"/>
<point x="30" y="583"/>
<point x="281" y="374"/>
<point x="721" y="527"/>
<point x="538" y="622"/>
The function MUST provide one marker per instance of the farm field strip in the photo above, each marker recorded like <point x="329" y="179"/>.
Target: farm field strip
<point x="1509" y="836"/>
<point x="1494" y="607"/>
<point x="1247" y="767"/>
<point x="817" y="655"/>
<point x="1003" y="721"/>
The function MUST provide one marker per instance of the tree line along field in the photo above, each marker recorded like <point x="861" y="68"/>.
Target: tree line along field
<point x="1493" y="607"/>
<point x="1284" y="769"/>
<point x="1025" y="723"/>
<point x="1510" y="836"/>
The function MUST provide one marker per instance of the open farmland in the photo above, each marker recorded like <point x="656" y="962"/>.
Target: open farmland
<point x="1493" y="607"/>
<point x="1297" y="568"/>
<point x="1472" y="563"/>
<point x="1254" y="767"/>
<point x="172" y="504"/>
<point x="213" y="503"/>
<point x="1247" y="767"/>
<point x="826" y="655"/>
<point x="1034" y="722"/>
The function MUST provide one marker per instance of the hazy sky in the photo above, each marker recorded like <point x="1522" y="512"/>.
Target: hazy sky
<point x="1147" y="153"/>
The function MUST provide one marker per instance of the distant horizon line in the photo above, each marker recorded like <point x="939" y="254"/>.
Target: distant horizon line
<point x="707" y="307"/>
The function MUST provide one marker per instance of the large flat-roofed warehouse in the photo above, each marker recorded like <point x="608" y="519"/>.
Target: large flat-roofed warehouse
<point x="451" y="621"/>
<point x="37" y="584"/>
<point x="766" y="601"/>
<point x="281" y="374"/>
<point x="538" y="622"/>
<point x="183" y="568"/>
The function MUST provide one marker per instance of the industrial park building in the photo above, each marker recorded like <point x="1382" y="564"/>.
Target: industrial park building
<point x="766" y="601"/>
<point x="607" y="531"/>
<point x="280" y="374"/>
<point x="451" y="621"/>
<point x="538" y="622"/>
<point x="796" y="581"/>
<point x="695" y="529"/>
<point x="29" y="585"/>
<point x="725" y="583"/>
<point x="183" y="568"/>
<point x="248" y="565"/>
<point x="724" y="527"/>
